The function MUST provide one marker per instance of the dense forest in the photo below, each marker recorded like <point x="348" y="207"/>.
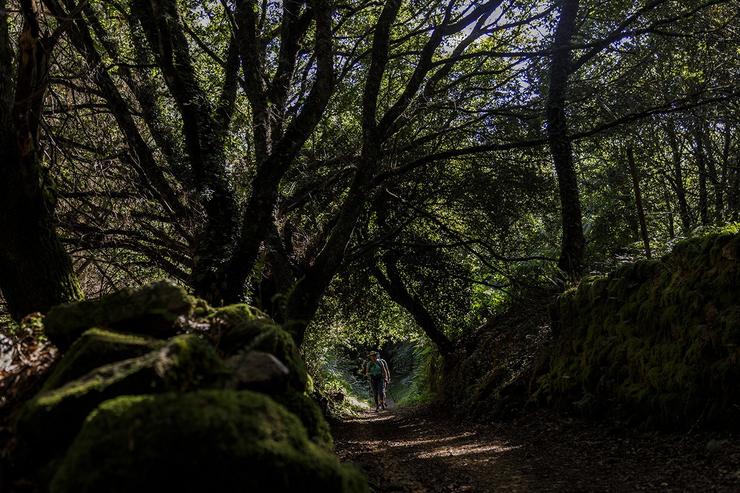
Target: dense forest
<point x="492" y="191"/>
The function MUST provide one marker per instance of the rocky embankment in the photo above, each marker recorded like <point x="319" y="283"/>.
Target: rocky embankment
<point x="655" y="343"/>
<point x="157" y="391"/>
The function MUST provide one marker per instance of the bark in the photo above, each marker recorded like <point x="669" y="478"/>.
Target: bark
<point x="275" y="155"/>
<point x="305" y="299"/>
<point x="701" y="165"/>
<point x="725" y="172"/>
<point x="306" y="296"/>
<point x="678" y="183"/>
<point x="35" y="270"/>
<point x="704" y="147"/>
<point x="203" y="128"/>
<point x="668" y="203"/>
<point x="573" y="241"/>
<point x="638" y="201"/>
<point x="392" y="283"/>
<point x="733" y="176"/>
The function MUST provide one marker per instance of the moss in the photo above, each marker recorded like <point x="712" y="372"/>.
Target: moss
<point x="658" y="338"/>
<point x="237" y="440"/>
<point x="244" y="328"/>
<point x="310" y="415"/>
<point x="50" y="420"/>
<point x="150" y="310"/>
<point x="98" y="347"/>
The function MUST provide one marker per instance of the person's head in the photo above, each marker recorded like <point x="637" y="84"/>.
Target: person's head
<point x="373" y="356"/>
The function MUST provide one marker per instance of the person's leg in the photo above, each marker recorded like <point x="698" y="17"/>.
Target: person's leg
<point x="376" y="391"/>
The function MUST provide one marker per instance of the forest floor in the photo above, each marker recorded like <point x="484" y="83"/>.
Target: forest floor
<point x="421" y="450"/>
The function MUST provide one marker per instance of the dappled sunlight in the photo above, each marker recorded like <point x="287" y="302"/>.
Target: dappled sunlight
<point x="469" y="449"/>
<point x="435" y="440"/>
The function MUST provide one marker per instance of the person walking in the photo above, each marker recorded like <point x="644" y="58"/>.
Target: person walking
<point x="377" y="370"/>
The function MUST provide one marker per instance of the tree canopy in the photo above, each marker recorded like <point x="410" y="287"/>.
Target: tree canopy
<point x="342" y="161"/>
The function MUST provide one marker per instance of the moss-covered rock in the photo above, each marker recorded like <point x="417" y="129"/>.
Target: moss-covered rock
<point x="236" y="441"/>
<point x="98" y="347"/>
<point x="655" y="340"/>
<point x="244" y="328"/>
<point x="310" y="415"/>
<point x="260" y="371"/>
<point x="50" y="420"/>
<point x="150" y="310"/>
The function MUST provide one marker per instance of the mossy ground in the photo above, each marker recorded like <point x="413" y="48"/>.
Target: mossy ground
<point x="657" y="340"/>
<point x="310" y="415"/>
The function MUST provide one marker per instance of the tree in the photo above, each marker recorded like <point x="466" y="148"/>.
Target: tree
<point x="35" y="270"/>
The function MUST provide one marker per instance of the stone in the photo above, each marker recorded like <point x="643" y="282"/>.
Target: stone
<point x="98" y="347"/>
<point x="151" y="310"/>
<point x="209" y="440"/>
<point x="244" y="328"/>
<point x="49" y="421"/>
<point x="257" y="370"/>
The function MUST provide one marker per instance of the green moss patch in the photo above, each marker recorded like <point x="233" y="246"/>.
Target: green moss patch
<point x="201" y="441"/>
<point x="655" y="340"/>
<point x="310" y="415"/>
<point x="98" y="347"/>
<point x="50" y="420"/>
<point x="150" y="310"/>
<point x="244" y="328"/>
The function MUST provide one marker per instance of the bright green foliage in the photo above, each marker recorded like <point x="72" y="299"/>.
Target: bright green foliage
<point x="415" y="370"/>
<point x="244" y="328"/>
<point x="656" y="339"/>
<point x="203" y="441"/>
<point x="150" y="310"/>
<point x="50" y="420"/>
<point x="98" y="347"/>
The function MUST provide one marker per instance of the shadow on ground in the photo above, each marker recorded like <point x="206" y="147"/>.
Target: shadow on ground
<point x="419" y="450"/>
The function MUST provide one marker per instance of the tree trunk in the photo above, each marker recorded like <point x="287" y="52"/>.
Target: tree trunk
<point x="678" y="184"/>
<point x="573" y="242"/>
<point x="701" y="165"/>
<point x="638" y="201"/>
<point x="35" y="271"/>
<point x="393" y="284"/>
<point x="275" y="152"/>
<point x="668" y="203"/>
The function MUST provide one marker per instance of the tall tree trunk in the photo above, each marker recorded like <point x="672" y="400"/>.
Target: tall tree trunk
<point x="573" y="241"/>
<point x="638" y="200"/>
<point x="35" y="270"/>
<point x="733" y="177"/>
<point x="669" y="204"/>
<point x="678" y="185"/>
<point x="275" y="153"/>
<point x="701" y="165"/>
<point x="724" y="172"/>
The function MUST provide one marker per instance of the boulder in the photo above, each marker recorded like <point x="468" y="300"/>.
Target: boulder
<point x="244" y="328"/>
<point x="211" y="440"/>
<point x="257" y="370"/>
<point x="150" y="310"/>
<point x="50" y="420"/>
<point x="98" y="347"/>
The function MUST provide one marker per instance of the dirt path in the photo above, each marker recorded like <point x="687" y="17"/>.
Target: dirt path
<point x="416" y="450"/>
